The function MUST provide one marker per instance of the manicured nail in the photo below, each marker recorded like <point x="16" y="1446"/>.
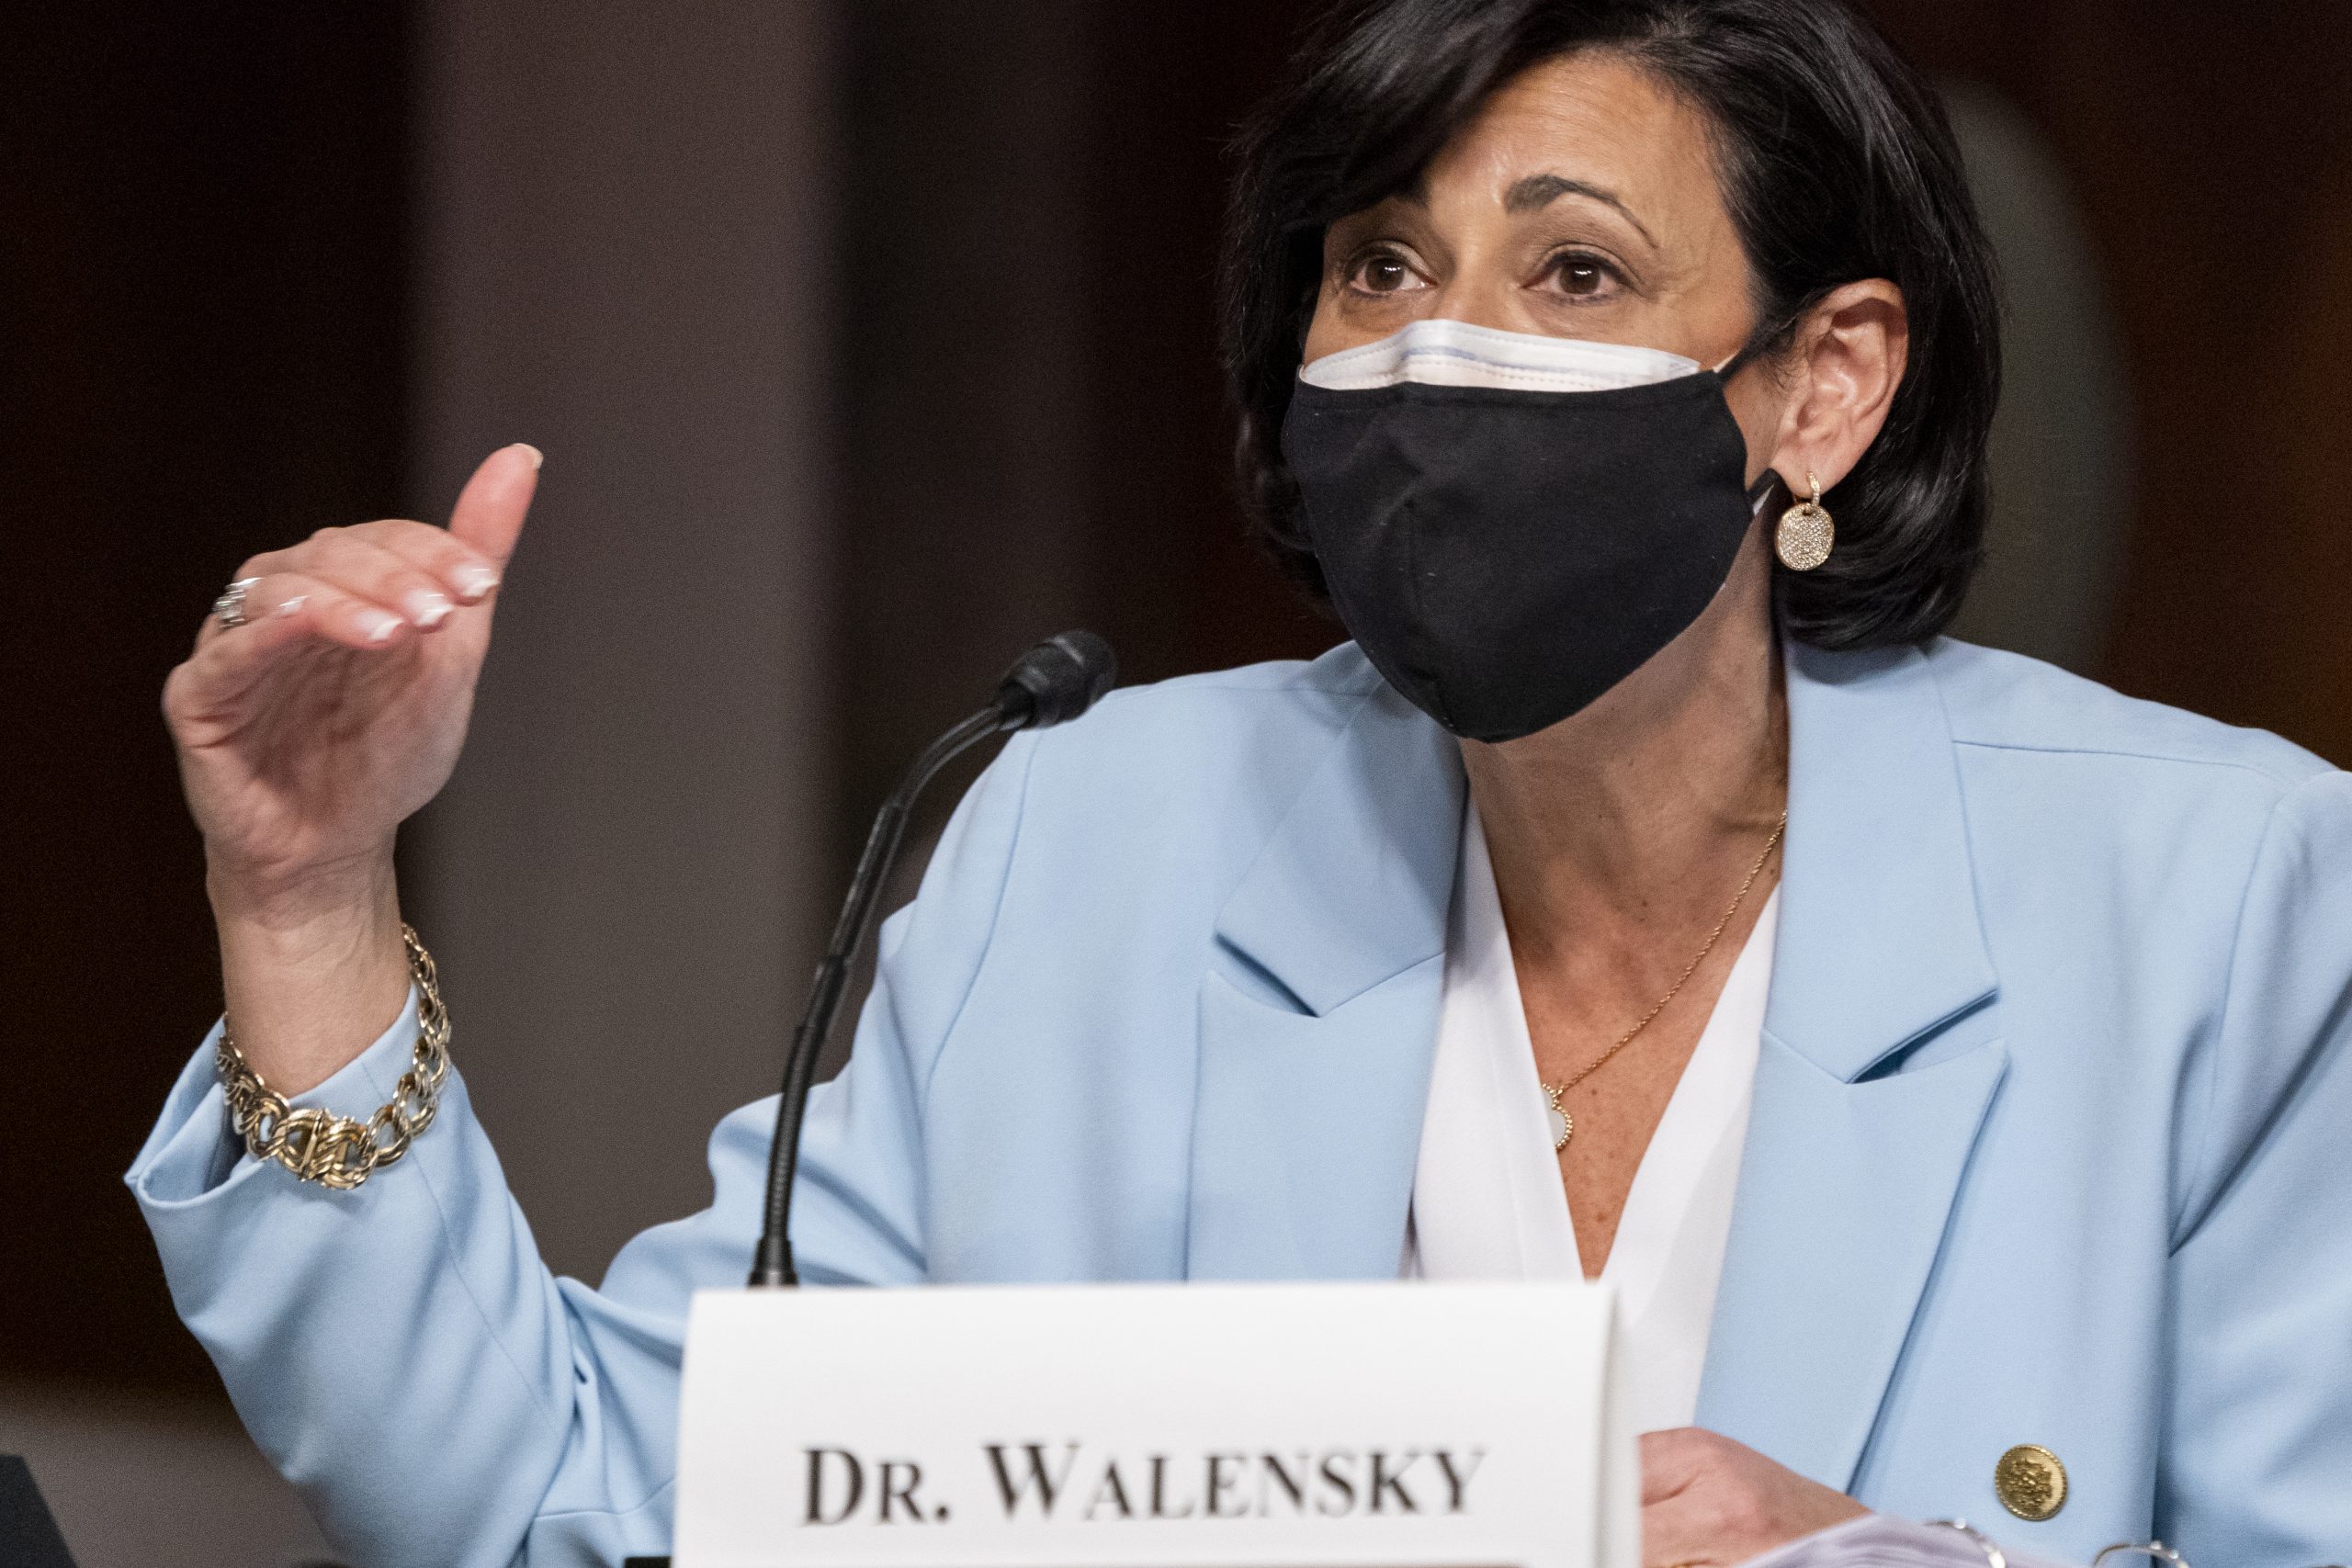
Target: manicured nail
<point x="538" y="457"/>
<point x="424" y="607"/>
<point x="292" y="606"/>
<point x="475" y="582"/>
<point x="379" y="626"/>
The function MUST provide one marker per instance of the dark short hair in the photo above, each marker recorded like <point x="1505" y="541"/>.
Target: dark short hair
<point x="1836" y="164"/>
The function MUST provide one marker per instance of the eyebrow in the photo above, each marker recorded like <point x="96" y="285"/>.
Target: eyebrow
<point x="1533" y="192"/>
<point x="1536" y="191"/>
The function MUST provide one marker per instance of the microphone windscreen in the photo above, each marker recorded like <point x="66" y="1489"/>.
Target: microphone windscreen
<point x="1056" y="680"/>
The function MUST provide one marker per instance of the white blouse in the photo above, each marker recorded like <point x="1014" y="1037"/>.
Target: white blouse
<point x="1487" y="1203"/>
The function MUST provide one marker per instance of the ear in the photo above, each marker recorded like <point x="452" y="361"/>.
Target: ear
<point x="1842" y="372"/>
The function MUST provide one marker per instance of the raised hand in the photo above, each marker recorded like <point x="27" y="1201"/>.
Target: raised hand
<point x="310" y="733"/>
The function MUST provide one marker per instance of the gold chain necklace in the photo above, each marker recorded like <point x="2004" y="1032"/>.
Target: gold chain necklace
<point x="1564" y="1125"/>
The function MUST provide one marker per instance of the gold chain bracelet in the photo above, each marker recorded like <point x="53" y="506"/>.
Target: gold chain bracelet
<point x="336" y="1151"/>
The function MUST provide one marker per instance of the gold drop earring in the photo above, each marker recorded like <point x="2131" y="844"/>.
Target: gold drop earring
<point x="1805" y="535"/>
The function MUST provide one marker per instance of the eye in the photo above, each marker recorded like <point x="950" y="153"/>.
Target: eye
<point x="1382" y="272"/>
<point x="1582" y="277"/>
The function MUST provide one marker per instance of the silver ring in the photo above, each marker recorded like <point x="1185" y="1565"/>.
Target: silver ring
<point x="229" y="608"/>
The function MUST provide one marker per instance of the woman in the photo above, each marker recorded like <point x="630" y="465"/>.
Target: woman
<point x="1943" y="1055"/>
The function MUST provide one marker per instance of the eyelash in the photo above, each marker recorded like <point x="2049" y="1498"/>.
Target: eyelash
<point x="1366" y="257"/>
<point x="1553" y="266"/>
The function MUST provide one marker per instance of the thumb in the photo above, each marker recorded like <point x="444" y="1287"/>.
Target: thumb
<point x="489" y="510"/>
<point x="1670" y="1462"/>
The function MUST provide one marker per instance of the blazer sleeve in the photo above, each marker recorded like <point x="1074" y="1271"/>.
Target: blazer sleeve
<point x="2257" y="1459"/>
<point x="403" y="1355"/>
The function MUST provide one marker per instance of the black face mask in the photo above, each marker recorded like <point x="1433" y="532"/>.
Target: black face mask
<point x="1504" y="556"/>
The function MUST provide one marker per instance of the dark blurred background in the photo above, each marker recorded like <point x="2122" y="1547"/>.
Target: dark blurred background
<point x="867" y="341"/>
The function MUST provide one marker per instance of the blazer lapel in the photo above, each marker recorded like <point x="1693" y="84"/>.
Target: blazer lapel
<point x="1880" y="1063"/>
<point x="1318" y="1013"/>
<point x="1319" y="1023"/>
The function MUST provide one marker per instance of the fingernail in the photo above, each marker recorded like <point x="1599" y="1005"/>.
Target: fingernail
<point x="475" y="582"/>
<point x="292" y="607"/>
<point x="426" y="607"/>
<point x="538" y="457"/>
<point x="379" y="626"/>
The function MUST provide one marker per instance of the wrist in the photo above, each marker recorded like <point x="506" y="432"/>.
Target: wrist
<point x="318" y="1143"/>
<point x="313" y="969"/>
<point x="300" y="909"/>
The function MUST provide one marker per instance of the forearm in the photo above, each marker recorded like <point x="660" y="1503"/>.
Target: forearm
<point x="402" y="1340"/>
<point x="312" y="968"/>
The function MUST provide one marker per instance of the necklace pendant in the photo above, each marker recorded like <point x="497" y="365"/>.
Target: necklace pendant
<point x="1562" y="1125"/>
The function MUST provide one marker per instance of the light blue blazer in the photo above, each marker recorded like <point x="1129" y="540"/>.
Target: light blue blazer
<point x="2051" y="1140"/>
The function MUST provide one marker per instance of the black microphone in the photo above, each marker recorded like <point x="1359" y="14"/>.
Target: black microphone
<point x="1052" y="683"/>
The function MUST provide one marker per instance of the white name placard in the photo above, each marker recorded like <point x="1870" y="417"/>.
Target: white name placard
<point x="1166" y="1426"/>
